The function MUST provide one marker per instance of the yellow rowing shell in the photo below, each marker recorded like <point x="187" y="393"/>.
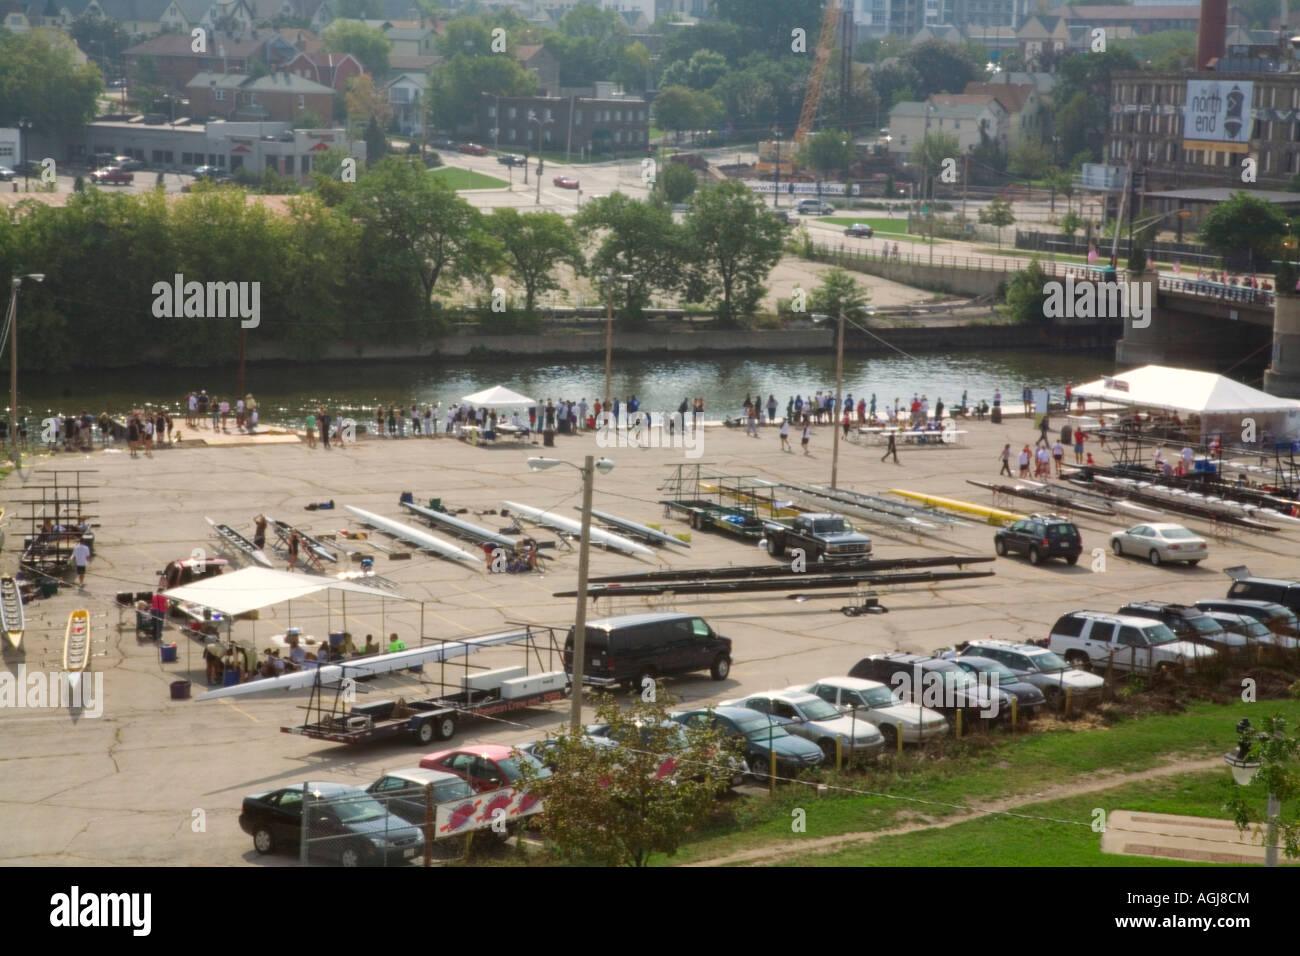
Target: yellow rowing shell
<point x="994" y="516"/>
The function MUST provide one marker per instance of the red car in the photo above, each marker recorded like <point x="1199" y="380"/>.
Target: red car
<point x="112" y="174"/>
<point x="565" y="182"/>
<point x="489" y="767"/>
<point x="474" y="149"/>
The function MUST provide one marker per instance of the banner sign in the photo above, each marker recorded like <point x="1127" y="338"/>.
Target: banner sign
<point x="1218" y="111"/>
<point x="802" y="189"/>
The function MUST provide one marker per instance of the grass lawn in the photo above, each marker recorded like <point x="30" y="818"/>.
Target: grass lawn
<point x="1012" y="764"/>
<point x="467" y="179"/>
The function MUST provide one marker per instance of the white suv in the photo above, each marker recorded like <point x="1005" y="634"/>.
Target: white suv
<point x="1091" y="638"/>
<point x="815" y="207"/>
<point x="1038" y="666"/>
<point x="874" y="701"/>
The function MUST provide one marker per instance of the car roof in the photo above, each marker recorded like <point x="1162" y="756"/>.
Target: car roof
<point x="1130" y="619"/>
<point x="1244" y="602"/>
<point x="730" y="711"/>
<point x="789" y="696"/>
<point x="1164" y="524"/>
<point x="976" y="659"/>
<point x="420" y="775"/>
<point x="1002" y="643"/>
<point x="321" y="788"/>
<point x="487" y="751"/>
<point x="1282" y="582"/>
<point x="631" y="620"/>
<point x="851" y="683"/>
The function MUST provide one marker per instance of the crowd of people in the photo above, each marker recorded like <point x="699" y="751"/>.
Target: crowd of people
<point x="202" y="408"/>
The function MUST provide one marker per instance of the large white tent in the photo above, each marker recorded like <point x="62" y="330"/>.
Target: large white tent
<point x="498" y="397"/>
<point x="1219" y="403"/>
<point x="253" y="588"/>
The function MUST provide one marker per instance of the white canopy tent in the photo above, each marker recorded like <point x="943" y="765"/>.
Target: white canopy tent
<point x="253" y="588"/>
<point x="498" y="397"/>
<point x="1217" y="403"/>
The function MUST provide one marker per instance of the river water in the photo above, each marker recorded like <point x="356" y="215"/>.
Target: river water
<point x="286" y="393"/>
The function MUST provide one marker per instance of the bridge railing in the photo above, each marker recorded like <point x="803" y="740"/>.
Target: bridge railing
<point x="1217" y="290"/>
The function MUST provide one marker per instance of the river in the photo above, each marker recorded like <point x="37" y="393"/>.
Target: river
<point x="286" y="393"/>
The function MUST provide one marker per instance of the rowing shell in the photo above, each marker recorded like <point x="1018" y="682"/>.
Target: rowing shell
<point x="240" y="543"/>
<point x="421" y="539"/>
<point x="995" y="516"/>
<point x="11" y="610"/>
<point x="607" y="538"/>
<point x="632" y="527"/>
<point x="464" y="527"/>
<point x="76" y="649"/>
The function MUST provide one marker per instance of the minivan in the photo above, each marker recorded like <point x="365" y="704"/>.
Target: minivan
<point x="628" y="648"/>
<point x="1277" y="590"/>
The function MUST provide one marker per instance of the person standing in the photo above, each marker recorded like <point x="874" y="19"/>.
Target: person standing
<point x="1043" y="426"/>
<point x="1023" y="461"/>
<point x="81" y="557"/>
<point x="311" y="429"/>
<point x="392" y="421"/>
<point x="751" y="421"/>
<point x="379" y="421"/>
<point x="324" y="418"/>
<point x="582" y="413"/>
<point x="891" y="449"/>
<point x="807" y="433"/>
<point x="847" y="421"/>
<point x="191" y="409"/>
<point x="771" y="409"/>
<point x="1058" y="452"/>
<point x="785" y="435"/>
<point x="202" y="403"/>
<point x="293" y="550"/>
<point x="259" y="531"/>
<point x="1079" y="438"/>
<point x="1006" y="460"/>
<point x="1027" y="396"/>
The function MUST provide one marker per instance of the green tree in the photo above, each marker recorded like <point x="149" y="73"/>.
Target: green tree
<point x="635" y="238"/>
<point x="102" y="40"/>
<point x="704" y="69"/>
<point x="614" y="806"/>
<point x="367" y="44"/>
<point x="376" y="142"/>
<point x="838" y="290"/>
<point x="777" y="19"/>
<point x="1071" y="223"/>
<point x="308" y="119"/>
<point x="1025" y="295"/>
<point x="677" y="181"/>
<point x="533" y="244"/>
<point x="455" y="90"/>
<point x="827" y="151"/>
<point x="679" y="108"/>
<point x="942" y="67"/>
<point x="997" y="214"/>
<point x="1059" y="181"/>
<point x="359" y="10"/>
<point x="1277" y="775"/>
<point x="732" y="40"/>
<point x="873" y="50"/>
<point x="40" y="81"/>
<point x="1083" y="97"/>
<point x="1244" y="223"/>
<point x="732" y="245"/>
<point x="632" y="67"/>
<point x="1028" y="157"/>
<point x="930" y="153"/>
<point x="895" y="78"/>
<point x="588" y="44"/>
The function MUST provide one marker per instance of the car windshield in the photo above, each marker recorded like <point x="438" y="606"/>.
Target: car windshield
<point x="876" y="697"/>
<point x="451" y="790"/>
<point x="830" y="525"/>
<point x="1048" y="662"/>
<point x="1173" y="533"/>
<point x="760" y="729"/>
<point x="1250" y="627"/>
<point x="1205" y="624"/>
<point x="818" y="710"/>
<point x="1003" y="672"/>
<point x="358" y="809"/>
<point x="1159" y="634"/>
<point x="510" y="767"/>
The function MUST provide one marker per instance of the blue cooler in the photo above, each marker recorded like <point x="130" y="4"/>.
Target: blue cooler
<point x="232" y="678"/>
<point x="336" y="638"/>
<point x="168" y="652"/>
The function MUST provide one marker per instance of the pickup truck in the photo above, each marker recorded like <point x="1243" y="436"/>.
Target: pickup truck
<point x="826" y="536"/>
<point x="1091" y="639"/>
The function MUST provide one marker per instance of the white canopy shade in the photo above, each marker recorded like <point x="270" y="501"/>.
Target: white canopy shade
<point x="1183" y="390"/>
<point x="497" y="396"/>
<point x="254" y="588"/>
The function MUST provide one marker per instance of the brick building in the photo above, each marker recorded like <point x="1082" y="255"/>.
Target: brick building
<point x="571" y="124"/>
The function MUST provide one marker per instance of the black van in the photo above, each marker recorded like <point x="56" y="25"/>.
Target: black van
<point x="1276" y="590"/>
<point x="630" y="647"/>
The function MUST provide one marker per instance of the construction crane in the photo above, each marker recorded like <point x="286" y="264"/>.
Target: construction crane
<point x="816" y="77"/>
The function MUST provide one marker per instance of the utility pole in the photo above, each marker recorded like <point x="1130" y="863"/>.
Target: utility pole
<point x="580" y="617"/>
<point x="839" y="411"/>
<point x="776" y="195"/>
<point x="965" y="181"/>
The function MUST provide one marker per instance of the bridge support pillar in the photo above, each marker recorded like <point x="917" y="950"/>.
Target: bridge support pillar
<point x="1144" y="344"/>
<point x="1282" y="377"/>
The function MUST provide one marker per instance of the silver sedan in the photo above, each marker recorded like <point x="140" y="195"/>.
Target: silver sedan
<point x="1160" y="542"/>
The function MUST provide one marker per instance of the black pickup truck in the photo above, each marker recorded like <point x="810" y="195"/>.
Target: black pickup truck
<point x="826" y="536"/>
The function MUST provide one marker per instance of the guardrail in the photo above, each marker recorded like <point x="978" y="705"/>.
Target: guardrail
<point x="1217" y="290"/>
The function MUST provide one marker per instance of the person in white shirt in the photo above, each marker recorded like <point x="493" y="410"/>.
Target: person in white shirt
<point x="785" y="435"/>
<point x="81" y="557"/>
<point x="1058" y="452"/>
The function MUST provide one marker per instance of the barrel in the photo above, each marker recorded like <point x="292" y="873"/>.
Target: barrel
<point x="180" y="690"/>
<point x="548" y="438"/>
<point x="168" y="652"/>
<point x="407" y="498"/>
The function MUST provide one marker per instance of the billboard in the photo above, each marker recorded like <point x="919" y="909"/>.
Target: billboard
<point x="1217" y="115"/>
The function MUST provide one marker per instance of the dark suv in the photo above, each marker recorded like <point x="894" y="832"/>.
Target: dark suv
<point x="631" y="647"/>
<point x="1040" y="537"/>
<point x="1277" y="590"/>
<point x="1189" y="624"/>
<point x="936" y="683"/>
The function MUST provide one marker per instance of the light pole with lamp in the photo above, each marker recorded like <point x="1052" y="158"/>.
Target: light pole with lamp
<point x="588" y="470"/>
<point x="1244" y="771"/>
<point x="24" y="131"/>
<point x="839" y="386"/>
<point x="15" y="287"/>
<point x="776" y="192"/>
<point x="532" y="118"/>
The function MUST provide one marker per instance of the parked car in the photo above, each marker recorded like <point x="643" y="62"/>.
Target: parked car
<point x="783" y="216"/>
<point x="806" y="715"/>
<point x="873" y="701"/>
<point x="473" y="149"/>
<point x="406" y="792"/>
<point x="545" y="749"/>
<point x="1089" y="639"/>
<point x="680" y="741"/>
<point x="1040" y="537"/>
<point x="1189" y="624"/>
<point x="1277" y="590"/>
<point x="934" y="682"/>
<point x="486" y="767"/>
<point x="629" y="648"/>
<point x="828" y="536"/>
<point x="761" y="737"/>
<point x="565" y="182"/>
<point x="6" y="174"/>
<point x="126" y="162"/>
<point x="345" y="824"/>
<point x="445" y="142"/>
<point x="861" y="230"/>
<point x="1159" y="542"/>
<point x="212" y="173"/>
<point x="1282" y="621"/>
<point x="815" y="207"/>
<point x="30" y="167"/>
<point x="511" y="159"/>
<point x="1255" y="631"/>
<point x="112" y="174"/>
<point x="1029" y="700"/>
<point x="1036" y="665"/>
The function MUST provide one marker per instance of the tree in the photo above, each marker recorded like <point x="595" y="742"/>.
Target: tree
<point x="732" y="245"/>
<point x="704" y="69"/>
<point x="533" y="244"/>
<point x="615" y="806"/>
<point x="1071" y="223"/>
<point x="838" y="291"/>
<point x="367" y="44"/>
<point x="997" y="214"/>
<point x="359" y="10"/>
<point x="102" y="40"/>
<point x="894" y="78"/>
<point x="679" y="108"/>
<point x="929" y="155"/>
<point x="827" y="151"/>
<point x="308" y="119"/>
<point x="587" y="44"/>
<point x="632" y="67"/>
<point x="942" y="67"/>
<point x="874" y="50"/>
<point x="1082" y="111"/>
<point x="1025" y="295"/>
<point x="40" y="81"/>
<point x="633" y="238"/>
<point x="677" y="181"/>
<point x="1059" y="181"/>
<point x="1244" y="224"/>
<point x="1277" y="777"/>
<point x="376" y="142"/>
<point x="455" y="89"/>
<point x="778" y="19"/>
<point x="365" y="101"/>
<point x="1028" y="157"/>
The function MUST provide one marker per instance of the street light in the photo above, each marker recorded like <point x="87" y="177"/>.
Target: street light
<point x="12" y="324"/>
<point x="1243" y="772"/>
<point x="776" y="193"/>
<point x="609" y="329"/>
<point x="588" y="470"/>
<point x="836" y="425"/>
<point x="532" y="118"/>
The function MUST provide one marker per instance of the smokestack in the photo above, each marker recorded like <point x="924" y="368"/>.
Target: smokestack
<point x="1211" y="32"/>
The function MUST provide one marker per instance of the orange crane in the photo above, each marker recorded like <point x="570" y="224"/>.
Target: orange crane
<point x="816" y="77"/>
